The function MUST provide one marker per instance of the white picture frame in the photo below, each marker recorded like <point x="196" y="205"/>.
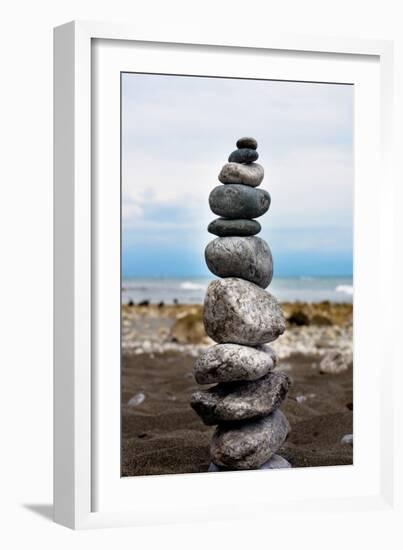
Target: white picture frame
<point x="88" y="490"/>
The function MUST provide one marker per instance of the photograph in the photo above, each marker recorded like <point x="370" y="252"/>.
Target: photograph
<point x="236" y="274"/>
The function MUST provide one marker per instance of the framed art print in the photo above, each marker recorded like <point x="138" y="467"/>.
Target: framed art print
<point x="221" y="228"/>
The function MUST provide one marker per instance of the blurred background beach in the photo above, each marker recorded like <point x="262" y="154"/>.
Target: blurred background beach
<point x="176" y="134"/>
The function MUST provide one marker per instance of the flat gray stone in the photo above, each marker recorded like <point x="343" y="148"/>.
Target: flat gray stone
<point x="235" y="201"/>
<point x="241" y="400"/>
<point x="243" y="156"/>
<point x="276" y="462"/>
<point x="247" y="174"/>
<point x="248" y="446"/>
<point x="240" y="312"/>
<point x="229" y="228"/>
<point x="248" y="258"/>
<point x="233" y="363"/>
<point x="246" y="143"/>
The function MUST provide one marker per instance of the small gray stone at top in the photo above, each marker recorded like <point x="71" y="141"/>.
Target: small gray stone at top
<point x="223" y="227"/>
<point x="246" y="143"/>
<point x="243" y="156"/>
<point x="235" y="201"/>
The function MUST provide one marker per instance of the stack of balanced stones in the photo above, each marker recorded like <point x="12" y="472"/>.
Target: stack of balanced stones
<point x="242" y="317"/>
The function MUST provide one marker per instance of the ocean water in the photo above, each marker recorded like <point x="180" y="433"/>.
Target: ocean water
<point x="192" y="290"/>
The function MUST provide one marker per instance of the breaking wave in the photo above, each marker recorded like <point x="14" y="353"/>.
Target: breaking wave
<point x="188" y="285"/>
<point x="346" y="289"/>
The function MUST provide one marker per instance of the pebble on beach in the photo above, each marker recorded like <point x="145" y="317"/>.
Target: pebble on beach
<point x="235" y="201"/>
<point x="229" y="228"/>
<point x="243" y="156"/>
<point x="237" y="311"/>
<point x="334" y="362"/>
<point x="241" y="401"/>
<point x="347" y="439"/>
<point x="232" y="363"/>
<point x="275" y="462"/>
<point x="248" y="258"/>
<point x="248" y="446"/>
<point x="247" y="174"/>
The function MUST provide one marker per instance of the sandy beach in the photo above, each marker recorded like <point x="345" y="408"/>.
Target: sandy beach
<point x="161" y="434"/>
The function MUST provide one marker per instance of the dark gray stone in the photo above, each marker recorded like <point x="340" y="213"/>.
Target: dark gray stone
<point x="248" y="258"/>
<point x="247" y="174"/>
<point x="240" y="312"/>
<point x="239" y="201"/>
<point x="248" y="446"/>
<point x="246" y="143"/>
<point x="241" y="400"/>
<point x="243" y="156"/>
<point x="232" y="362"/>
<point x="228" y="228"/>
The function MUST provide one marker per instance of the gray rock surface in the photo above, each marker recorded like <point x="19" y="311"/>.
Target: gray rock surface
<point x="274" y="463"/>
<point x="232" y="363"/>
<point x="228" y="228"/>
<point x="239" y="201"/>
<point x="248" y="446"/>
<point x="248" y="258"/>
<point x="243" y="156"/>
<point x="241" y="400"/>
<point x="240" y="312"/>
<point x="247" y="174"/>
<point x="246" y="143"/>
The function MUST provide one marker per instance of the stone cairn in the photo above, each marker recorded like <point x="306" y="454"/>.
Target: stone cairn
<point x="242" y="318"/>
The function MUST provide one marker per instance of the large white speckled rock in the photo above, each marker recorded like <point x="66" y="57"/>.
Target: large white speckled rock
<point x="233" y="363"/>
<point x="248" y="174"/>
<point x="248" y="446"/>
<point x="240" y="312"/>
<point x="248" y="258"/>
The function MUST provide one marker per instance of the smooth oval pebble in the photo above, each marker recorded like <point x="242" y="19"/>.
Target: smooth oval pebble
<point x="235" y="201"/>
<point x="239" y="312"/>
<point x="275" y="462"/>
<point x="233" y="363"/>
<point x="246" y="143"/>
<point x="241" y="400"/>
<point x="229" y="228"/>
<point x="243" y="156"/>
<point x="251" y="444"/>
<point x="248" y="258"/>
<point x="247" y="174"/>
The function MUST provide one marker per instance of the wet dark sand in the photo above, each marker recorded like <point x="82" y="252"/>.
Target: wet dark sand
<point x="163" y="435"/>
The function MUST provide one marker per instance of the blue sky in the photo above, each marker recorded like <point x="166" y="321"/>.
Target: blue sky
<point x="177" y="133"/>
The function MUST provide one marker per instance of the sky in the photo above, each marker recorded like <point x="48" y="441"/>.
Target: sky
<point x="177" y="133"/>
